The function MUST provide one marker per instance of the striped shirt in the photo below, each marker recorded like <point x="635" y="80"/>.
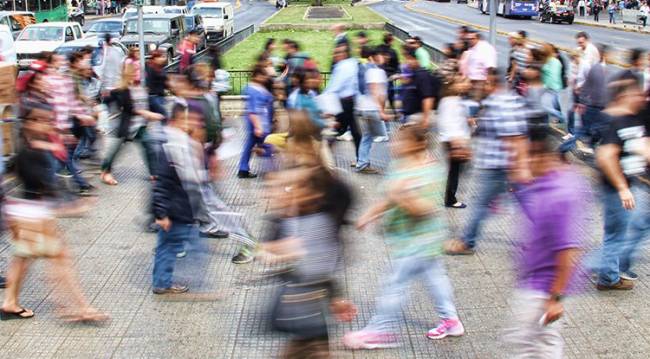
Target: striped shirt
<point x="501" y="115"/>
<point x="63" y="100"/>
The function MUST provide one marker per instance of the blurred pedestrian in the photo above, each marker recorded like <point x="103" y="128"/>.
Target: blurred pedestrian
<point x="131" y="100"/>
<point x="187" y="49"/>
<point x="370" y="106"/>
<point x="420" y="52"/>
<point x="157" y="82"/>
<point x="455" y="135"/>
<point x="478" y="60"/>
<point x="391" y="66"/>
<point x="258" y="119"/>
<point x="552" y="81"/>
<point x="133" y="60"/>
<point x="547" y="252"/>
<point x="418" y="91"/>
<point x="623" y="154"/>
<point x="499" y="155"/>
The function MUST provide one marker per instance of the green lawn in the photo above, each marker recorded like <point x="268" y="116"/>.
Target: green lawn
<point x="318" y="44"/>
<point x="295" y="14"/>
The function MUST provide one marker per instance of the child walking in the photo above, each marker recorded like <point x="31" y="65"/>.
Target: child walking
<point x="415" y="229"/>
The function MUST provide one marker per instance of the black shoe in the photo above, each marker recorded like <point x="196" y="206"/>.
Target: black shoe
<point x="87" y="191"/>
<point x="246" y="174"/>
<point x="244" y="256"/>
<point x="216" y="234"/>
<point x="3" y="282"/>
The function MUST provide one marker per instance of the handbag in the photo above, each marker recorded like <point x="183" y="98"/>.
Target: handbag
<point x="460" y="150"/>
<point x="301" y="308"/>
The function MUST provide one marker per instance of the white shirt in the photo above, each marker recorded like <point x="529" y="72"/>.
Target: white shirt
<point x="367" y="102"/>
<point x="452" y="119"/>
<point x="581" y="3"/>
<point x="477" y="60"/>
<point x="590" y="57"/>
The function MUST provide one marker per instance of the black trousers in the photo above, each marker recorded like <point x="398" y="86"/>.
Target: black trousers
<point x="346" y="120"/>
<point x="455" y="168"/>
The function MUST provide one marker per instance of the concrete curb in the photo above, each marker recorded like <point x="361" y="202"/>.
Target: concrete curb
<point x="318" y="27"/>
<point x="410" y="7"/>
<point x="632" y="28"/>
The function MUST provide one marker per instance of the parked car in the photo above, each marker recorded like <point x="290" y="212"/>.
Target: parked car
<point x="16" y="20"/>
<point x="77" y="15"/>
<point x="113" y="26"/>
<point x="218" y="19"/>
<point x="195" y="22"/>
<point x="561" y="14"/>
<point x="132" y="12"/>
<point x="175" y="10"/>
<point x="7" y="50"/>
<point x="46" y="36"/>
<point x="99" y="52"/>
<point x="161" y="31"/>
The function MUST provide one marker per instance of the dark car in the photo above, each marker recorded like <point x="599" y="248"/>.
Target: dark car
<point x="561" y="13"/>
<point x="161" y="31"/>
<point x="113" y="26"/>
<point x="195" y="22"/>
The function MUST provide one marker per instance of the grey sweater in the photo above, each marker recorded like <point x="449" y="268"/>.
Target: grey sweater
<point x="594" y="90"/>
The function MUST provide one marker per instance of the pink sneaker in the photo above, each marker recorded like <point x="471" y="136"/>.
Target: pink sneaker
<point x="368" y="339"/>
<point x="447" y="328"/>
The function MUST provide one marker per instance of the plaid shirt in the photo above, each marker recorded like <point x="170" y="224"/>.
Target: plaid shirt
<point x="501" y="115"/>
<point x="63" y="100"/>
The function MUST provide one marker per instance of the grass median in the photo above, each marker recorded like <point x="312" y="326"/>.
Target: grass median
<point x="296" y="14"/>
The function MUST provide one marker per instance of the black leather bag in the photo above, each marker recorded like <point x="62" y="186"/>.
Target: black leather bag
<point x="301" y="309"/>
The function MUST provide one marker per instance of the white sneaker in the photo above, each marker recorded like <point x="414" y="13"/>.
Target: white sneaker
<point x="345" y="137"/>
<point x="568" y="136"/>
<point x="380" y="139"/>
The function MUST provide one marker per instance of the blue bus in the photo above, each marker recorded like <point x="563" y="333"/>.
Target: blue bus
<point x="512" y="8"/>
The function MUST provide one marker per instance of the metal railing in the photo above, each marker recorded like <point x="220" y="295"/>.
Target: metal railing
<point x="223" y="45"/>
<point x="240" y="78"/>
<point x="437" y="56"/>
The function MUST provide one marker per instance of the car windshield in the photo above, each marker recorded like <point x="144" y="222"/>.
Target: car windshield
<point x="151" y="26"/>
<point x="173" y="10"/>
<point x="189" y="22"/>
<point x="106" y="26"/>
<point x="41" y="33"/>
<point x="215" y="12"/>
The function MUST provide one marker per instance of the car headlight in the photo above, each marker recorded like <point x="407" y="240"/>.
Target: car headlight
<point x="152" y="47"/>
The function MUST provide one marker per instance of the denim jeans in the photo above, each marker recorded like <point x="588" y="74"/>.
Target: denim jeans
<point x="169" y="244"/>
<point x="395" y="293"/>
<point x="494" y="182"/>
<point x="524" y="337"/>
<point x="85" y="144"/>
<point x="616" y="220"/>
<point x="148" y="149"/>
<point x="249" y="144"/>
<point x="157" y="105"/>
<point x="592" y="128"/>
<point x="371" y="126"/>
<point x="638" y="228"/>
<point x="551" y="103"/>
<point x="71" y="166"/>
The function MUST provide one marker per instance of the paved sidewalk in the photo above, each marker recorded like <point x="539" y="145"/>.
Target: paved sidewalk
<point x="114" y="259"/>
<point x="604" y="22"/>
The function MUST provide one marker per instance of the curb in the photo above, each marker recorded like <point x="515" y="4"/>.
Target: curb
<point x="410" y="7"/>
<point x="624" y="29"/>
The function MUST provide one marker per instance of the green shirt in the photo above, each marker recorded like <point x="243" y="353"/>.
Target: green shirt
<point x="409" y="236"/>
<point x="552" y="75"/>
<point x="423" y="58"/>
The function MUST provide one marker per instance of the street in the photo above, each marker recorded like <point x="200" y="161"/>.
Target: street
<point x="437" y="31"/>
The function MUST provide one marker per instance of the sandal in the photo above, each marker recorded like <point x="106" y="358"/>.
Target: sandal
<point x="21" y="314"/>
<point x="108" y="179"/>
<point x="90" y="316"/>
<point x="457" y="247"/>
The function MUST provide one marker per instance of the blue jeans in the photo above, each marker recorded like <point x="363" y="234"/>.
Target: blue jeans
<point x="169" y="244"/>
<point x="371" y="126"/>
<point x="638" y="228"/>
<point x="592" y="128"/>
<point x="395" y="293"/>
<point x="616" y="220"/>
<point x="551" y="103"/>
<point x="85" y="144"/>
<point x="495" y="182"/>
<point x="157" y="105"/>
<point x="71" y="166"/>
<point x="251" y="141"/>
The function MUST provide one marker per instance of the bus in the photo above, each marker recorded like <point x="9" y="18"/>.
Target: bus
<point x="512" y="8"/>
<point x="44" y="10"/>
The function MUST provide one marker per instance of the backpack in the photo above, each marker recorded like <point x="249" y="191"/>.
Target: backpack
<point x="361" y="77"/>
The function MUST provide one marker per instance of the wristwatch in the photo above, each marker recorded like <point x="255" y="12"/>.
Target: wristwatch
<point x="556" y="297"/>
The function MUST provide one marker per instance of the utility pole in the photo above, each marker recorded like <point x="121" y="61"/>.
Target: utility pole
<point x="139" y="4"/>
<point x="493" y="22"/>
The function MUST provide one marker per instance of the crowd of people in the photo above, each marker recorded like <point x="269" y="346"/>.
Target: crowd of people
<point x="500" y="122"/>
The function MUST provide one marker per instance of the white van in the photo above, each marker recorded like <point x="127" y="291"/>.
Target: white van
<point x="7" y="49"/>
<point x="218" y="19"/>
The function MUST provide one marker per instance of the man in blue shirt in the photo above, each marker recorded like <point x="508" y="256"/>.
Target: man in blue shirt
<point x="345" y="84"/>
<point x="258" y="118"/>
